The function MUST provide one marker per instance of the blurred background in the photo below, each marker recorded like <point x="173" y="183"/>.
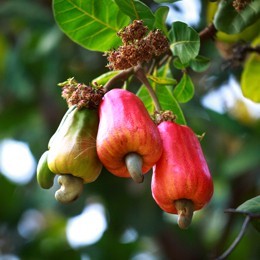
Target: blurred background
<point x="115" y="218"/>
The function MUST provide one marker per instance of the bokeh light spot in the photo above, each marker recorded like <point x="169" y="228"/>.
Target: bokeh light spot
<point x="16" y="161"/>
<point x="88" y="227"/>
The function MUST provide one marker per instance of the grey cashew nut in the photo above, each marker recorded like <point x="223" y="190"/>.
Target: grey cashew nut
<point x="134" y="165"/>
<point x="185" y="210"/>
<point x="70" y="190"/>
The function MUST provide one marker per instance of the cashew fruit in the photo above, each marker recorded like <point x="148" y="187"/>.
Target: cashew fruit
<point x="61" y="123"/>
<point x="128" y="141"/>
<point x="181" y="181"/>
<point x="72" y="149"/>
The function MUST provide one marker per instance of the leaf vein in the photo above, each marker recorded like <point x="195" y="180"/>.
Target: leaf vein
<point x="133" y="6"/>
<point x="91" y="15"/>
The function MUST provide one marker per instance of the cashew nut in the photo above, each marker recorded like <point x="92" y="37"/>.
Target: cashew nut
<point x="134" y="164"/>
<point x="185" y="210"/>
<point x="70" y="190"/>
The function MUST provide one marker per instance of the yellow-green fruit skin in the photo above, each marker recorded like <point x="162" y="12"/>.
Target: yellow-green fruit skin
<point x="45" y="176"/>
<point x="72" y="150"/>
<point x="72" y="108"/>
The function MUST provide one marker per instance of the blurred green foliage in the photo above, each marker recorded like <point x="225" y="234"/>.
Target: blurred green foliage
<point x="34" y="57"/>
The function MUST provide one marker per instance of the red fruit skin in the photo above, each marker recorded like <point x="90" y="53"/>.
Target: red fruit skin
<point x="182" y="171"/>
<point x="124" y="127"/>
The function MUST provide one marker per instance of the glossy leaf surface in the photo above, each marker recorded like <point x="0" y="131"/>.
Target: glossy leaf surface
<point x="184" y="91"/>
<point x="160" y="18"/>
<point x="137" y="10"/>
<point x="92" y="24"/>
<point x="251" y="77"/>
<point x="200" y="63"/>
<point x="227" y="19"/>
<point x="184" y="41"/>
<point x="252" y="206"/>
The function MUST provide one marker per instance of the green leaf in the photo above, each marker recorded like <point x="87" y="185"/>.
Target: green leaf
<point x="92" y="24"/>
<point x="168" y="102"/>
<point x="184" y="42"/>
<point x="250" y="77"/>
<point x="252" y="206"/>
<point x="166" y="99"/>
<point x="4" y="49"/>
<point x="104" y="78"/>
<point x="143" y="94"/>
<point x="160" y="18"/>
<point x="164" y="95"/>
<point x="178" y="65"/>
<point x="200" y="63"/>
<point x="164" y="71"/>
<point x="164" y="75"/>
<point x="137" y="10"/>
<point x="228" y="20"/>
<point x="184" y="91"/>
<point x="162" y="80"/>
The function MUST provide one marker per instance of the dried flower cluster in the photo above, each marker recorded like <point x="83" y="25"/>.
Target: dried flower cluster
<point x="138" y="46"/>
<point x="240" y="5"/>
<point x="81" y="95"/>
<point x="163" y="116"/>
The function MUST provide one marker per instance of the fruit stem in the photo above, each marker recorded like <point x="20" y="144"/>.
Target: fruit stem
<point x="185" y="210"/>
<point x="134" y="164"/>
<point x="139" y="73"/>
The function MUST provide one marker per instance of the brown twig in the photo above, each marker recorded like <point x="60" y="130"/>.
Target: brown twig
<point x="208" y="33"/>
<point x="239" y="54"/>
<point x="119" y="78"/>
<point x="139" y="73"/>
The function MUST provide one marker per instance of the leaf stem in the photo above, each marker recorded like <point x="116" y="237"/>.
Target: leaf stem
<point x="237" y="240"/>
<point x="140" y="74"/>
<point x="247" y="213"/>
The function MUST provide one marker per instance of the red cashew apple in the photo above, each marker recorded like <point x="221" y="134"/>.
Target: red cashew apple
<point x="181" y="181"/>
<point x="128" y="141"/>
